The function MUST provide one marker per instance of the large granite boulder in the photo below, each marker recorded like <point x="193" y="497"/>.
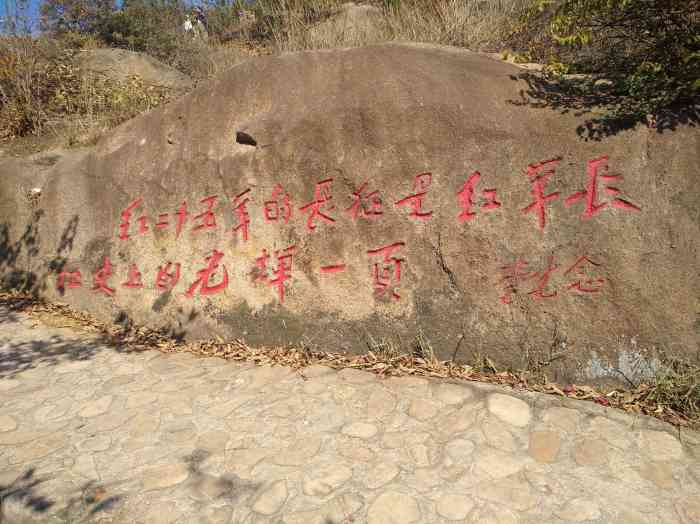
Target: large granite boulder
<point x="383" y="196"/>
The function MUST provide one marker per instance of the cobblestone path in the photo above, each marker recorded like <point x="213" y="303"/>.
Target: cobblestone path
<point x="89" y="434"/>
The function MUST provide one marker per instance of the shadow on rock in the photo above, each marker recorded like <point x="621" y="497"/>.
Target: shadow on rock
<point x="604" y="113"/>
<point x="21" y="267"/>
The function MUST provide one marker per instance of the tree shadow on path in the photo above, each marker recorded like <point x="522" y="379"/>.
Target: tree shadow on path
<point x="21" y="500"/>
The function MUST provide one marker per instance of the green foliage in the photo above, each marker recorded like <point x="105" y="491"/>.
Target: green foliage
<point x="648" y="50"/>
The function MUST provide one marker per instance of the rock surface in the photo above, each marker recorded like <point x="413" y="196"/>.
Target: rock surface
<point x="298" y="247"/>
<point x="261" y="460"/>
<point x="121" y="64"/>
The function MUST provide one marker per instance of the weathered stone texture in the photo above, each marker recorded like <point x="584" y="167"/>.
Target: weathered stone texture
<point x="381" y="116"/>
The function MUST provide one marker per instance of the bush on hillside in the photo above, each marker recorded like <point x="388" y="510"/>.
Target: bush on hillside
<point x="40" y="86"/>
<point x="638" y="60"/>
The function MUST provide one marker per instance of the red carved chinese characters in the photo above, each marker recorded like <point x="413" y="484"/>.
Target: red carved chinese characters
<point x="516" y="273"/>
<point x="415" y="201"/>
<point x="512" y="275"/>
<point x="240" y="209"/>
<point x="584" y="284"/>
<point x="75" y="280"/>
<point x="387" y="273"/>
<point x="133" y="279"/>
<point x="539" y="174"/>
<point x="181" y="215"/>
<point x="279" y="206"/>
<point x="322" y="195"/>
<point x="282" y="272"/>
<point x="126" y="220"/>
<point x="542" y="280"/>
<point x="591" y="191"/>
<point x="336" y="268"/>
<point x="466" y="198"/>
<point x="167" y="279"/>
<point x="370" y="204"/>
<point x="205" y="275"/>
<point x="207" y="217"/>
<point x="163" y="221"/>
<point x="101" y="278"/>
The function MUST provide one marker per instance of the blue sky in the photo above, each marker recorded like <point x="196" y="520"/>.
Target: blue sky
<point x="32" y="10"/>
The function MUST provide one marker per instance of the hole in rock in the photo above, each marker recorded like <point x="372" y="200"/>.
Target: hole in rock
<point x="245" y="139"/>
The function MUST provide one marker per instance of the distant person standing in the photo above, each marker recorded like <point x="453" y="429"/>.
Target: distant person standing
<point x="201" y="29"/>
<point x="196" y="24"/>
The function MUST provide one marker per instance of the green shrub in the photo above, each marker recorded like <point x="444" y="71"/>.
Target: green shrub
<point x="639" y="59"/>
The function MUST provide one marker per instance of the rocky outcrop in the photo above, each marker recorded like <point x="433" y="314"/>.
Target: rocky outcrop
<point x="391" y="195"/>
<point x="121" y="64"/>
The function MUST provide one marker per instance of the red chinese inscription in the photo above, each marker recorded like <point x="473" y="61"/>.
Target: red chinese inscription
<point x="466" y="198"/>
<point x="207" y="217"/>
<point x="542" y="281"/>
<point x="167" y="278"/>
<point x="133" y="279"/>
<point x="101" y="278"/>
<point x="336" y="268"/>
<point x="590" y="194"/>
<point x="74" y="278"/>
<point x="281" y="273"/>
<point x="322" y="197"/>
<point x="241" y="211"/>
<point x="513" y="275"/>
<point x="585" y="283"/>
<point x="539" y="174"/>
<point x="279" y="206"/>
<point x="415" y="201"/>
<point x="126" y="220"/>
<point x="204" y="276"/>
<point x="581" y="273"/>
<point x="369" y="205"/>
<point x="387" y="273"/>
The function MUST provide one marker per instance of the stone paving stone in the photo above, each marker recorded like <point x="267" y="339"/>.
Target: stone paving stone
<point x="97" y="407"/>
<point x="423" y="409"/>
<point x="379" y="475"/>
<point x="591" y="452"/>
<point x="660" y="445"/>
<point x="7" y="423"/>
<point x="451" y="393"/>
<point x="454" y="507"/>
<point x="340" y="509"/>
<point x="164" y="476"/>
<point x="323" y="480"/>
<point x="509" y="409"/>
<point x="356" y="376"/>
<point x="271" y="499"/>
<point x="380" y="403"/>
<point x="565" y="419"/>
<point x="361" y="430"/>
<point x="392" y="507"/>
<point x="544" y="445"/>
<point x="184" y="439"/>
<point x="579" y="510"/>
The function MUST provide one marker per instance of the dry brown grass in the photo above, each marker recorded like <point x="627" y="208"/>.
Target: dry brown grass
<point x="314" y="24"/>
<point x="43" y="92"/>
